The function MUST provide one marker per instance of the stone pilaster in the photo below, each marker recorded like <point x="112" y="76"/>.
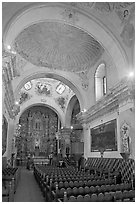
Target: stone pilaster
<point x="10" y="137"/>
<point x="65" y="135"/>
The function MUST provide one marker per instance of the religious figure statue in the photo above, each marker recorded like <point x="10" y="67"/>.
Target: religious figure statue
<point x="125" y="137"/>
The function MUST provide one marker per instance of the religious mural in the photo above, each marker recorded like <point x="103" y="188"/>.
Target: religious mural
<point x="4" y="134"/>
<point x="38" y="129"/>
<point x="104" y="137"/>
<point x="24" y="97"/>
<point x="43" y="88"/>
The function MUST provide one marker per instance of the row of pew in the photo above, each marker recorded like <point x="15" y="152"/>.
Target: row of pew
<point x="10" y="178"/>
<point x="66" y="185"/>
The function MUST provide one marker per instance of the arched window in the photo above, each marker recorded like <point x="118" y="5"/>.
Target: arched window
<point x="100" y="81"/>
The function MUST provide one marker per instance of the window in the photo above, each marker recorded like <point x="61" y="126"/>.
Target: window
<point x="104" y="85"/>
<point x="28" y="85"/>
<point x="60" y="88"/>
<point x="100" y="81"/>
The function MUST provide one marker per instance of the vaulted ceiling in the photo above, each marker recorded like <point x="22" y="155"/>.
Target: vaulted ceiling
<point x="58" y="45"/>
<point x="67" y="41"/>
<point x="61" y="40"/>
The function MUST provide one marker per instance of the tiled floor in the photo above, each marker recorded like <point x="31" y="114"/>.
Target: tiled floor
<point x="28" y="189"/>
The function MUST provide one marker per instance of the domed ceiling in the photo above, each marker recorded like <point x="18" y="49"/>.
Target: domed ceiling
<point x="59" y="46"/>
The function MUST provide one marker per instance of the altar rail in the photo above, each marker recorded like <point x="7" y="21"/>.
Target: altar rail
<point x="40" y="160"/>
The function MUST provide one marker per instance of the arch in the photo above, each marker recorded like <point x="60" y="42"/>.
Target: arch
<point x="41" y="12"/>
<point x="37" y="104"/>
<point x="52" y="75"/>
<point x="69" y="110"/>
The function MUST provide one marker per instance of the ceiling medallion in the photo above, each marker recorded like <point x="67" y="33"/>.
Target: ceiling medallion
<point x="128" y="34"/>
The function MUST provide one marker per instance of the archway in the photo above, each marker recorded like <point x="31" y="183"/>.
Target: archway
<point x="70" y="108"/>
<point x="52" y="75"/>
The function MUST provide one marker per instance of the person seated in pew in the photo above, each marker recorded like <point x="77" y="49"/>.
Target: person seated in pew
<point x="63" y="164"/>
<point x="119" y="178"/>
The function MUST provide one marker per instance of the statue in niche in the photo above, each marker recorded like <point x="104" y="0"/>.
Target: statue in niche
<point x="37" y="147"/>
<point x="125" y="129"/>
<point x="37" y="144"/>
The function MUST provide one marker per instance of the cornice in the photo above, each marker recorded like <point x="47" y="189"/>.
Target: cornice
<point x="121" y="93"/>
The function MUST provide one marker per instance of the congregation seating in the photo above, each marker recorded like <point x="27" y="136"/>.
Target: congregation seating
<point x="10" y="178"/>
<point x="69" y="185"/>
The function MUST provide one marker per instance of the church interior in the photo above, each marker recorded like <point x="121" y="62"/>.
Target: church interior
<point x="68" y="101"/>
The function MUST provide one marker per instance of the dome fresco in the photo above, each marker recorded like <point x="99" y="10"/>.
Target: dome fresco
<point x="58" y="45"/>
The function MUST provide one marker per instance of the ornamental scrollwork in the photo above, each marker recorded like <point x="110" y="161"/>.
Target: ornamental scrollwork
<point x="84" y="80"/>
<point x="61" y="101"/>
<point x="43" y="88"/>
<point x="70" y="15"/>
<point x="24" y="97"/>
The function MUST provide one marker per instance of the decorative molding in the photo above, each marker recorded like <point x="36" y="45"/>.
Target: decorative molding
<point x="61" y="101"/>
<point x="43" y="89"/>
<point x="84" y="5"/>
<point x="124" y="10"/>
<point x="70" y="15"/>
<point x="84" y="79"/>
<point x="128" y="34"/>
<point x="58" y="46"/>
<point x="103" y="6"/>
<point x="9" y="60"/>
<point x="20" y="63"/>
<point x="123" y="92"/>
<point x="24" y="96"/>
<point x="43" y="100"/>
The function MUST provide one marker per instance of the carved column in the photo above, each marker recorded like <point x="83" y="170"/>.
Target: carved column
<point x="10" y="135"/>
<point x="86" y="140"/>
<point x="65" y="134"/>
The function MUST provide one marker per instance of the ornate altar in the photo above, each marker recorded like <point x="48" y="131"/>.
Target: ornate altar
<point x="39" y="126"/>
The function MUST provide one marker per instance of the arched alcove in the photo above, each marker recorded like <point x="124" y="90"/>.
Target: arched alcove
<point x="52" y="75"/>
<point x="100" y="81"/>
